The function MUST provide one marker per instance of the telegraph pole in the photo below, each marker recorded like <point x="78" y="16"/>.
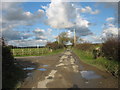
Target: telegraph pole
<point x="74" y="38"/>
<point x="58" y="38"/>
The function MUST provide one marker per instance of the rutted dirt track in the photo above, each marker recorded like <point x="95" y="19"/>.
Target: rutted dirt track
<point x="63" y="70"/>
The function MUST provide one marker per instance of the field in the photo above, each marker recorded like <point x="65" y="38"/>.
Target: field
<point x="33" y="51"/>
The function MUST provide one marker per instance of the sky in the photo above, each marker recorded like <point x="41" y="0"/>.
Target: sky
<point x="36" y="23"/>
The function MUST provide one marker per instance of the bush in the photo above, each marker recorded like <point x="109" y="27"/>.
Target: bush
<point x="7" y="58"/>
<point x="85" y="46"/>
<point x="54" y="46"/>
<point x="110" y="48"/>
<point x="11" y="74"/>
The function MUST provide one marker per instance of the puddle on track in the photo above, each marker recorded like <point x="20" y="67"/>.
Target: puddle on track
<point x="42" y="69"/>
<point x="89" y="75"/>
<point x="81" y="67"/>
<point x="28" y="74"/>
<point x="45" y="65"/>
<point x="28" y="68"/>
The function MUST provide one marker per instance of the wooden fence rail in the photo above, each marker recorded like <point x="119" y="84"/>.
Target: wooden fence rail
<point x="29" y="51"/>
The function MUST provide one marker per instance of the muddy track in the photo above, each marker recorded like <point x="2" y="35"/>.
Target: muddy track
<point x="63" y="70"/>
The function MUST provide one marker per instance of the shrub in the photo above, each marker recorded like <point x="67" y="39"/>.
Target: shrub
<point x="7" y="58"/>
<point x="11" y="74"/>
<point x="110" y="48"/>
<point x="85" y="46"/>
<point x="54" y="45"/>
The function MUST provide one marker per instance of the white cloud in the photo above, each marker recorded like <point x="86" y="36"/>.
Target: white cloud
<point x="39" y="31"/>
<point x="19" y="38"/>
<point x="41" y="11"/>
<point x="110" y="29"/>
<point x="69" y="34"/>
<point x="40" y="37"/>
<point x="42" y="34"/>
<point x="49" y="31"/>
<point x="44" y="7"/>
<point x="11" y="35"/>
<point x="59" y="14"/>
<point x="110" y="19"/>
<point x="13" y="15"/>
<point x="23" y="43"/>
<point x="26" y="35"/>
<point x="81" y="22"/>
<point x="92" y="39"/>
<point x="81" y="27"/>
<point x="28" y="14"/>
<point x="111" y="25"/>
<point x="64" y="15"/>
<point x="88" y="9"/>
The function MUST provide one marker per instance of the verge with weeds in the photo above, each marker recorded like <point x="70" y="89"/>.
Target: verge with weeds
<point x="102" y="63"/>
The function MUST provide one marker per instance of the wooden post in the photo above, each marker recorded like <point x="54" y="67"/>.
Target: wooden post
<point x="58" y="38"/>
<point x="74" y="38"/>
<point x="13" y="51"/>
<point x="42" y="51"/>
<point x="30" y="51"/>
<point x="22" y="51"/>
<point x="38" y="51"/>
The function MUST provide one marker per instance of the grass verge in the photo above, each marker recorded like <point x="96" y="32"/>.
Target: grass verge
<point x="101" y="63"/>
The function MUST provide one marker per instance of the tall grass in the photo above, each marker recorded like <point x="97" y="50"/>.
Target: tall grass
<point x="111" y="66"/>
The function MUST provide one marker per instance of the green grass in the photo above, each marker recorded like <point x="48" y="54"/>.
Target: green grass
<point x="34" y="52"/>
<point x="101" y="63"/>
<point x="54" y="52"/>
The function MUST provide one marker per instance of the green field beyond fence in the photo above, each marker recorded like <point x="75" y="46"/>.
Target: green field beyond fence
<point x="29" y="51"/>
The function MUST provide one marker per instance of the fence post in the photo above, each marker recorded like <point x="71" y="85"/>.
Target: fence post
<point x="13" y="51"/>
<point x="38" y="51"/>
<point x="22" y="51"/>
<point x="42" y="51"/>
<point x="30" y="51"/>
